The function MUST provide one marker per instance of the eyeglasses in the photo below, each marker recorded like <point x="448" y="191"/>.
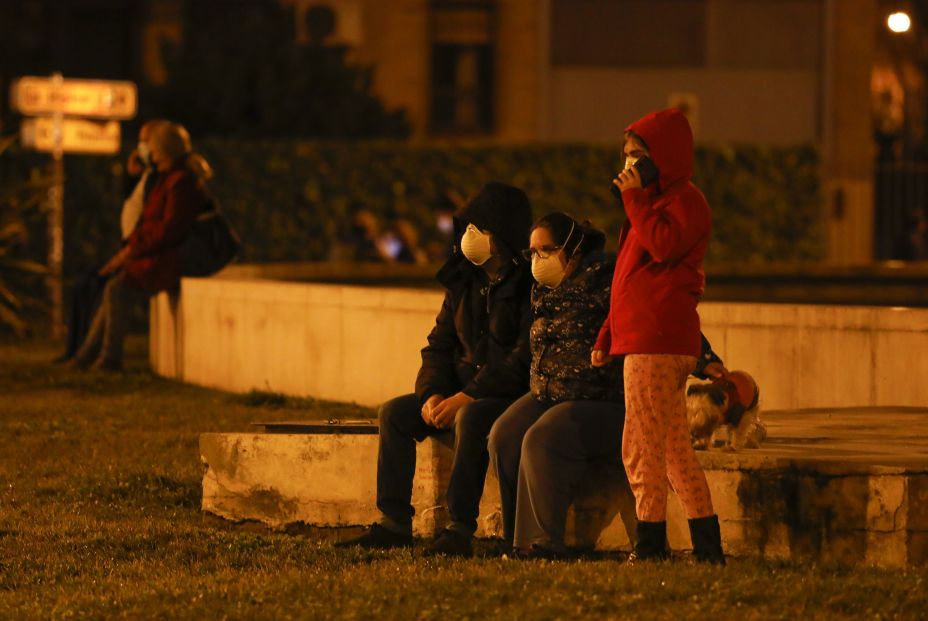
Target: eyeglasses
<point x="542" y="253"/>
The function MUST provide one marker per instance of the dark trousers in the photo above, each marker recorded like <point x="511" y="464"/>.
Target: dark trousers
<point x="401" y="426"/>
<point x="85" y="299"/>
<point x="541" y="453"/>
<point x="111" y="322"/>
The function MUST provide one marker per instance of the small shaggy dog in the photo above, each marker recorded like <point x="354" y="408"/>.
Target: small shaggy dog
<point x="732" y="402"/>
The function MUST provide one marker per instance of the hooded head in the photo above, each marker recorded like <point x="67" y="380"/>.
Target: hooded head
<point x="558" y="245"/>
<point x="574" y="237"/>
<point x="669" y="139"/>
<point x="504" y="211"/>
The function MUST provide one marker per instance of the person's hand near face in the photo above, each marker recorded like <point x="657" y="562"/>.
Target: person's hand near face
<point x="134" y="166"/>
<point x="629" y="177"/>
<point x="140" y="158"/>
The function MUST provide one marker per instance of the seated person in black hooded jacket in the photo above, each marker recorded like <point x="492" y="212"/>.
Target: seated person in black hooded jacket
<point x="474" y="366"/>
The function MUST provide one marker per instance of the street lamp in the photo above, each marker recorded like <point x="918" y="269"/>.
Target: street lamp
<point x="899" y="22"/>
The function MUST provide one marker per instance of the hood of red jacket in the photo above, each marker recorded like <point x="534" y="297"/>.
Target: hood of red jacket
<point x="669" y="139"/>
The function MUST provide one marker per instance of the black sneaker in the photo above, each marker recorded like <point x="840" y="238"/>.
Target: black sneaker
<point x="493" y="548"/>
<point x="450" y="543"/>
<point x="377" y="537"/>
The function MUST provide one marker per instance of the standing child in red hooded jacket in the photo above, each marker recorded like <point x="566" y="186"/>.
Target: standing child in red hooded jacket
<point x="653" y="322"/>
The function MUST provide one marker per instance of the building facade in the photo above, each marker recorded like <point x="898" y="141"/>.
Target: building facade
<point x="769" y="72"/>
<point x="772" y="72"/>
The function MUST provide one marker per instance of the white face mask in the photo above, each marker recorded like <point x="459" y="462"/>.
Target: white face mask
<point x="476" y="245"/>
<point x="549" y="271"/>
<point x="144" y="153"/>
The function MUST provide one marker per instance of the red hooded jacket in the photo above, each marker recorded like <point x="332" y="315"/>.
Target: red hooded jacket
<point x="659" y="276"/>
<point x="171" y="208"/>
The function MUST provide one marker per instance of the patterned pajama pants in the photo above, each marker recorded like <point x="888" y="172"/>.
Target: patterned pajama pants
<point x="656" y="441"/>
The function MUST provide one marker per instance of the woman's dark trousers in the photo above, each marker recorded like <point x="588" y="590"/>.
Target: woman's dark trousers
<point x="85" y="299"/>
<point x="541" y="454"/>
<point x="110" y="323"/>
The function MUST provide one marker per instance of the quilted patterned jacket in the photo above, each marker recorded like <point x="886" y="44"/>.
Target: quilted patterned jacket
<point x="566" y="323"/>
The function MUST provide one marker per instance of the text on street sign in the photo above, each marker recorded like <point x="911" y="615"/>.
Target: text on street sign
<point x="104" y="99"/>
<point x="77" y="135"/>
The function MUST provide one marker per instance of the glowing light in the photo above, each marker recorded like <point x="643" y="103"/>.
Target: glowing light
<point x="899" y="22"/>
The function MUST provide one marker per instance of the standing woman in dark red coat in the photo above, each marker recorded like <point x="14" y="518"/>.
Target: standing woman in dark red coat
<point x="148" y="263"/>
<point x="653" y="322"/>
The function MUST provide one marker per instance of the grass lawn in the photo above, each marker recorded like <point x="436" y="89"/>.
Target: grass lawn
<point x="99" y="518"/>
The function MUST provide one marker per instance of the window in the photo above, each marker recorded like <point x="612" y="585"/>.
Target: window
<point x="462" y="67"/>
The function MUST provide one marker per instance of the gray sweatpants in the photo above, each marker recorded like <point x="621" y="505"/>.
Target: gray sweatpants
<point x="541" y="453"/>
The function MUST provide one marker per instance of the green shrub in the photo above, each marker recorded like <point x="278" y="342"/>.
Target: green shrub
<point x="289" y="199"/>
<point x="21" y="196"/>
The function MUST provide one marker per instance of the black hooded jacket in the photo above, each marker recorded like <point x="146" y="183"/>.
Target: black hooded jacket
<point x="480" y="342"/>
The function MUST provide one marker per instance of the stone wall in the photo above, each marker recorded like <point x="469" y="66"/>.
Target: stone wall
<point x="361" y="343"/>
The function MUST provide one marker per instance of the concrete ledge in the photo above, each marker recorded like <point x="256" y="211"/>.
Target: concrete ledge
<point x="361" y="344"/>
<point x="165" y="337"/>
<point x="890" y="283"/>
<point x="849" y="486"/>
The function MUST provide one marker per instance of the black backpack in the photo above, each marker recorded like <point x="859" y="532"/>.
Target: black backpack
<point x="211" y="245"/>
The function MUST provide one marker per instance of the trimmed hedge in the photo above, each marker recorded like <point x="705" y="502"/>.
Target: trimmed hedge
<point x="290" y="199"/>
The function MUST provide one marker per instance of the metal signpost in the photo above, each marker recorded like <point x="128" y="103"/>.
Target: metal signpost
<point x="51" y="100"/>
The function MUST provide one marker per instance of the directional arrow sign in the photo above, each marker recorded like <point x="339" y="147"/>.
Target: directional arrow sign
<point x="77" y="136"/>
<point x="103" y="99"/>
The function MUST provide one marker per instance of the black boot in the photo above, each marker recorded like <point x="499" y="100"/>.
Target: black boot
<point x="652" y="542"/>
<point x="451" y="543"/>
<point x="378" y="537"/>
<point x="707" y="540"/>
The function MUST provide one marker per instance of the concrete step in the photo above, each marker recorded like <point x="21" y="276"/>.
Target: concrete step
<point x="831" y="485"/>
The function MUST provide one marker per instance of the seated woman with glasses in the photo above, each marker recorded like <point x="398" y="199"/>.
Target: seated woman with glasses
<point x="573" y="415"/>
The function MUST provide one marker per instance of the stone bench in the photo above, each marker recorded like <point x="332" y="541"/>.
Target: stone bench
<point x="849" y="486"/>
<point x="329" y="480"/>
